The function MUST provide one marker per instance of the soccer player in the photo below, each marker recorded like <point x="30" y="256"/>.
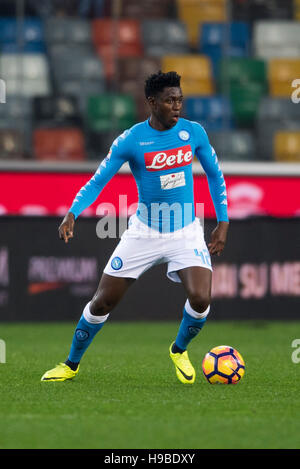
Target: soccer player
<point x="164" y="228"/>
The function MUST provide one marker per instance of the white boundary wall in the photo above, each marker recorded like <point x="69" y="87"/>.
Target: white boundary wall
<point x="228" y="168"/>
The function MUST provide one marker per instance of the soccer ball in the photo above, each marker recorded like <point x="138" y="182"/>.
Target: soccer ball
<point x="223" y="364"/>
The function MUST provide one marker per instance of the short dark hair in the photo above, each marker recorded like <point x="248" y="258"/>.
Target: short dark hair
<point x="158" y="81"/>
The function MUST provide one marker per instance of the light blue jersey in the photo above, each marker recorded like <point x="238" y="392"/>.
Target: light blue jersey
<point x="161" y="163"/>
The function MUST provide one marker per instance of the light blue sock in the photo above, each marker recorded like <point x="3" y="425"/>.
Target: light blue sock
<point x="83" y="336"/>
<point x="189" y="328"/>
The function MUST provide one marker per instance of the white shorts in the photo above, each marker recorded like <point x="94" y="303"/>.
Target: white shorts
<point x="142" y="247"/>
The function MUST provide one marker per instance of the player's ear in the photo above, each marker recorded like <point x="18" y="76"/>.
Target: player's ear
<point x="151" y="100"/>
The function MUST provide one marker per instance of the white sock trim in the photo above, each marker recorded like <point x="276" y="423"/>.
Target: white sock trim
<point x="89" y="317"/>
<point x="194" y="313"/>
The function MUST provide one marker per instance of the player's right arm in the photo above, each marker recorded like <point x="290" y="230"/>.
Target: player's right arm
<point x="119" y="153"/>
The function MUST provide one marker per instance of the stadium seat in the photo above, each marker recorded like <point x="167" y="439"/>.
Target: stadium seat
<point x="99" y="143"/>
<point x="242" y="71"/>
<point x="73" y="55"/>
<point x="282" y="72"/>
<point x="159" y="50"/>
<point x="135" y="88"/>
<point x="213" y="113"/>
<point x="27" y="37"/>
<point x="89" y="67"/>
<point x="8" y="8"/>
<point x="81" y="89"/>
<point x="132" y="75"/>
<point x="235" y="145"/>
<point x="28" y="87"/>
<point x="287" y="146"/>
<point x="156" y="32"/>
<point x="245" y="102"/>
<point x="276" y="39"/>
<point x="146" y="9"/>
<point x="245" y="10"/>
<point x="110" y="111"/>
<point x="17" y="124"/>
<point x="245" y="81"/>
<point x="67" y="31"/>
<point x="19" y="120"/>
<point x="25" y="74"/>
<point x="109" y="56"/>
<point x="272" y="9"/>
<point x="134" y="68"/>
<point x="214" y="36"/>
<point x="278" y="110"/>
<point x="16" y="107"/>
<point x="162" y="37"/>
<point x="274" y="115"/>
<point x="266" y="131"/>
<point x="194" y="66"/>
<point x="54" y="111"/>
<point x="65" y="144"/>
<point x="125" y="35"/>
<point x="116" y="39"/>
<point x="30" y="30"/>
<point x="296" y="14"/>
<point x="11" y="144"/>
<point x="195" y="12"/>
<point x="77" y="70"/>
<point x="57" y="51"/>
<point x="194" y="87"/>
<point x="94" y="9"/>
<point x="79" y="76"/>
<point x="195" y="71"/>
<point x="224" y="39"/>
<point x="31" y="66"/>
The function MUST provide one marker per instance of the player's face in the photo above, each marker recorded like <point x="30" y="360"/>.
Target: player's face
<point x="166" y="106"/>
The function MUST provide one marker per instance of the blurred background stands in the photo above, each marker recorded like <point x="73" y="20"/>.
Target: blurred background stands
<point x="75" y="71"/>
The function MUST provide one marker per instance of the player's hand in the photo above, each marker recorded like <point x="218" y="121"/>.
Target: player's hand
<point x="218" y="238"/>
<point x="66" y="228"/>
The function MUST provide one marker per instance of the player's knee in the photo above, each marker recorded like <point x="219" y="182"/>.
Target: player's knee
<point x="199" y="301"/>
<point x="100" y="306"/>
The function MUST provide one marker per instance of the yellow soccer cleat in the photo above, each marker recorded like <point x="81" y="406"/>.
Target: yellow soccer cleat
<point x="184" y="369"/>
<point x="61" y="372"/>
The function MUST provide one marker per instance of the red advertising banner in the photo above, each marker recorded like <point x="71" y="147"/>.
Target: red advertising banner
<point x="51" y="194"/>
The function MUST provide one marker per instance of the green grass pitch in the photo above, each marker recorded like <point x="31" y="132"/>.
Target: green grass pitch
<point x="126" y="394"/>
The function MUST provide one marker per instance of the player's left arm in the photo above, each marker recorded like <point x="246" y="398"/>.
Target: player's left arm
<point x="217" y="187"/>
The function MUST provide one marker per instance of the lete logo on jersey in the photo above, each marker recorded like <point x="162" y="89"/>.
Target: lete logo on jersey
<point x="168" y="159"/>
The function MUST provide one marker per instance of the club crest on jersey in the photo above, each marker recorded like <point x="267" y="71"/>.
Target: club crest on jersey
<point x="184" y="135"/>
<point x="168" y="159"/>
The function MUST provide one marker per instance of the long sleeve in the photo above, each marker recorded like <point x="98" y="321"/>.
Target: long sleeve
<point x="116" y="157"/>
<point x="209" y="161"/>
